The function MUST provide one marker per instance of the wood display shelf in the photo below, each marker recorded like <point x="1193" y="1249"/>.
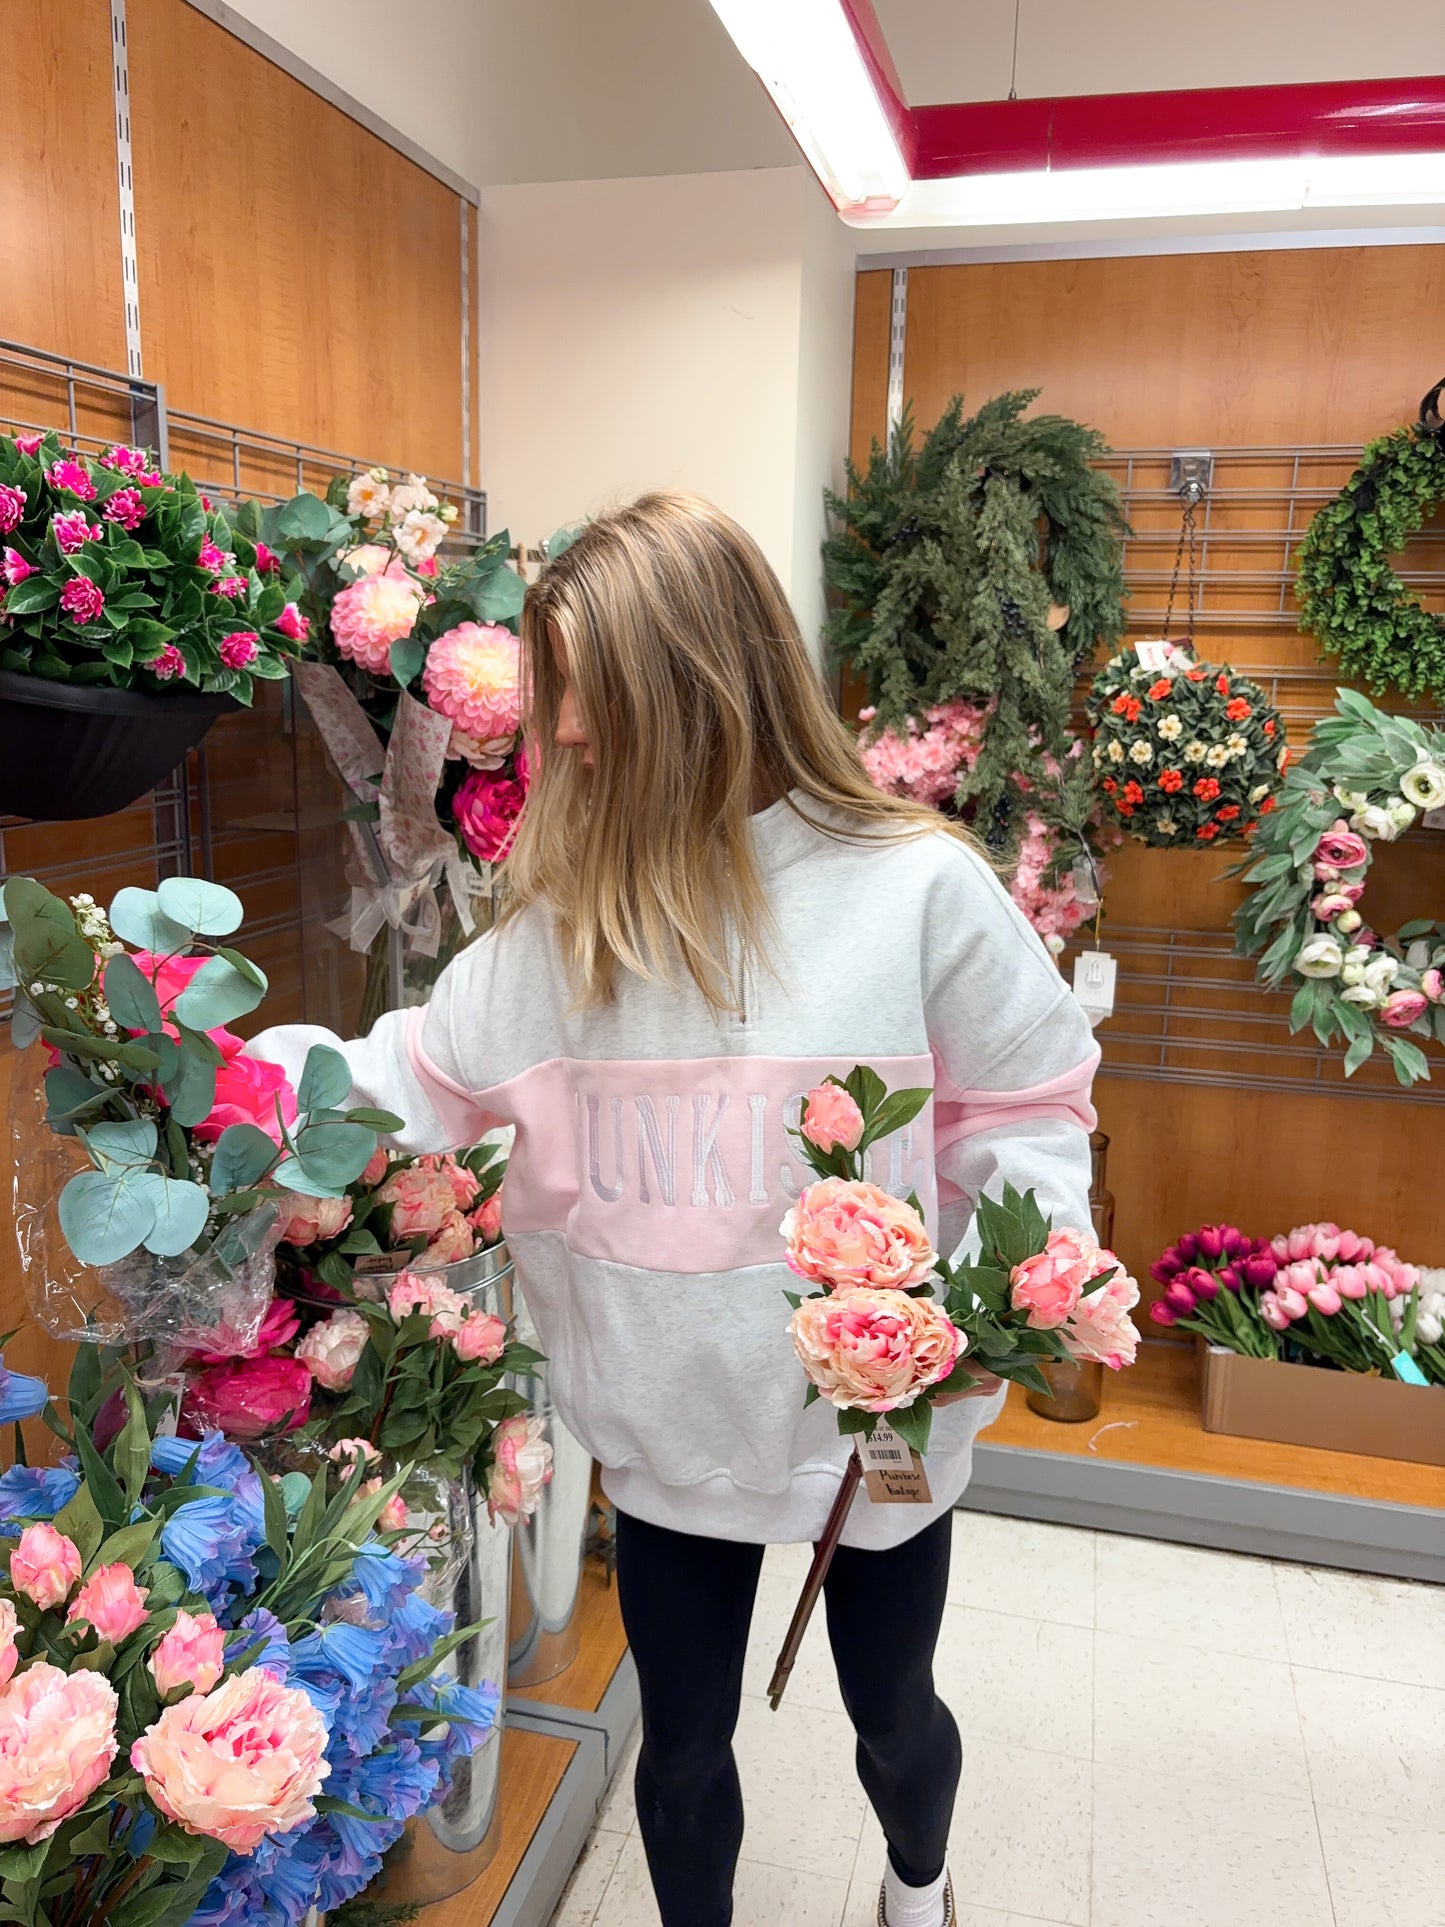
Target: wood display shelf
<point x="532" y="1768"/>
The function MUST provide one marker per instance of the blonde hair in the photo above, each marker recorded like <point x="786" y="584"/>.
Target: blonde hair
<point x="699" y="696"/>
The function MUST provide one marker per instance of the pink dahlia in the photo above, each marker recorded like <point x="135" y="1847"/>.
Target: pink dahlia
<point x="474" y="675"/>
<point x="72" y="530"/>
<point x="12" y="507"/>
<point x="72" y="478"/>
<point x="487" y="807"/>
<point x="239" y="648"/>
<point x="369" y="616"/>
<point x="126" y="508"/>
<point x="81" y="599"/>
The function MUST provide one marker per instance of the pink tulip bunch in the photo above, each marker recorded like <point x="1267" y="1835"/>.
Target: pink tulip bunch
<point x="1212" y="1280"/>
<point x="1333" y="1295"/>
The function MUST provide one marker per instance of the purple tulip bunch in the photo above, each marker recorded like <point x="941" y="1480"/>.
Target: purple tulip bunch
<point x="1212" y="1279"/>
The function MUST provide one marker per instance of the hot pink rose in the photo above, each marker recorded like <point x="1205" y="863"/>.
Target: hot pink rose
<point x="44" y="1566"/>
<point x="9" y="1651"/>
<point x="1048" y="1286"/>
<point x="333" y="1349"/>
<point x="248" y="1091"/>
<point x="292" y="623"/>
<point x="521" y="1467"/>
<point x="843" y="1232"/>
<point x="1341" y="848"/>
<point x="481" y="1340"/>
<point x="376" y="1168"/>
<point x="1402" y="1007"/>
<point x="1101" y="1329"/>
<point x="421" y="1202"/>
<point x="453" y="1241"/>
<point x="308" y="1221"/>
<point x="487" y="807"/>
<point x="81" y="599"/>
<point x="193" y="1653"/>
<point x="831" y="1119"/>
<point x="237" y="1763"/>
<point x="250" y="1397"/>
<point x="57" y="1740"/>
<point x="874" y="1351"/>
<point x="112" y="1601"/>
<point x="486" y="1220"/>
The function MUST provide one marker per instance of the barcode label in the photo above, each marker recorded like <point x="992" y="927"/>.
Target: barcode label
<point x="884" y="1450"/>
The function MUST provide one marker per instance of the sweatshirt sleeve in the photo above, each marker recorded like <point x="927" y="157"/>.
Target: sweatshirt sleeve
<point x="1014" y="1058"/>
<point x="408" y="1064"/>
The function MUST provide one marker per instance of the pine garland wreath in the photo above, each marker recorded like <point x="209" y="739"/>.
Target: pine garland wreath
<point x="945" y="562"/>
<point x="1351" y="599"/>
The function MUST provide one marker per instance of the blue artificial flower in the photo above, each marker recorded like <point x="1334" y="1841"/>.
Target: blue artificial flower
<point x="414" y="1628"/>
<point x="343" y="1671"/>
<point x="381" y="1578"/>
<point x="21" y="1397"/>
<point x="218" y="1462"/>
<point x="274" y="1655"/>
<point x="392" y="1784"/>
<point x="209" y="1540"/>
<point x="345" y="1867"/>
<point x="36" y="1491"/>
<point x="273" y="1887"/>
<point x="471" y="1714"/>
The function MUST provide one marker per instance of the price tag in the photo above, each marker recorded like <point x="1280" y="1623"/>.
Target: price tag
<point x="1406" y="1370"/>
<point x="892" y="1471"/>
<point x="1095" y="975"/>
<point x="1434" y="819"/>
<point x="1160" y="658"/>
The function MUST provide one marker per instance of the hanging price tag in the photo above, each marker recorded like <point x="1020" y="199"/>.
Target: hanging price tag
<point x="892" y="1471"/>
<point x="1159" y="657"/>
<point x="1095" y="974"/>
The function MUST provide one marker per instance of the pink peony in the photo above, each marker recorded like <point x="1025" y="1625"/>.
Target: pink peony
<point x="415" y="1293"/>
<point x="308" y="1221"/>
<point x="392" y="1516"/>
<point x="333" y="1349"/>
<point x="9" y="1651"/>
<point x="12" y="507"/>
<point x="377" y="1166"/>
<point x="15" y="569"/>
<point x="112" y="1601"/>
<point x="277" y="1328"/>
<point x="474" y="675"/>
<point x="1101" y="1329"/>
<point x="843" y="1232"/>
<point x="874" y="1351"/>
<point x="238" y="650"/>
<point x="235" y="1764"/>
<point x="465" y="1185"/>
<point x="292" y="623"/>
<point x="481" y="1340"/>
<point x="72" y="530"/>
<point x="72" y="478"/>
<point x="831" y="1120"/>
<point x="421" y="1202"/>
<point x="1048" y="1286"/>
<point x="44" y="1566"/>
<point x="370" y="615"/>
<point x="250" y="1398"/>
<point x="1402" y="1007"/>
<point x="487" y="807"/>
<point x="193" y="1653"/>
<point x="248" y="1091"/>
<point x="57" y="1740"/>
<point x="454" y="1240"/>
<point x="521" y="1466"/>
<point x="126" y="508"/>
<point x="168" y="664"/>
<point x="81" y="599"/>
<point x="486" y="1220"/>
<point x="29" y="444"/>
<point x="1340" y="849"/>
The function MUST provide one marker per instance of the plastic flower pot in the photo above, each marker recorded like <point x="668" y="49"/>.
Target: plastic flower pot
<point x="70" y="750"/>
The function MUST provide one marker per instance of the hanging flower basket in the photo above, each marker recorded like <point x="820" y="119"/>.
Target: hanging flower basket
<point x="68" y="750"/>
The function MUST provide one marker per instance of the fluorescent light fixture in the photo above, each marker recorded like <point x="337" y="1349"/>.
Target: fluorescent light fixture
<point x="805" y="54"/>
<point x="1167" y="189"/>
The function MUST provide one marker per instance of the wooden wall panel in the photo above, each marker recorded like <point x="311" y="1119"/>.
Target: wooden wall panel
<point x="59" y="201"/>
<point x="1209" y="350"/>
<point x="297" y="275"/>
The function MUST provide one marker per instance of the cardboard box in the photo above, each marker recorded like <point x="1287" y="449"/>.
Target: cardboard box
<point x="1261" y="1398"/>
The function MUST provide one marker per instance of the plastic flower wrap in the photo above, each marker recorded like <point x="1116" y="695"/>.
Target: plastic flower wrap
<point x="219" y="1697"/>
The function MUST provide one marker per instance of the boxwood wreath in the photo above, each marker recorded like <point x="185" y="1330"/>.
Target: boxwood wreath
<point x="1363" y="781"/>
<point x="1185" y="756"/>
<point x="1351" y="599"/>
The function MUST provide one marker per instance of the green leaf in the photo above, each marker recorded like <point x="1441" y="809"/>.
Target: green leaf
<point x="387" y="1122"/>
<point x="45" y="952"/>
<point x="69" y="1094"/>
<point x="131" y="1543"/>
<point x="217" y="993"/>
<point x="335" y="1153"/>
<point x="273" y="1501"/>
<point x="407" y="657"/>
<point x="325" y="1080"/>
<point x="132" y="999"/>
<point x="305" y="518"/>
<point x="191" y="1090"/>
<point x="181" y="1209"/>
<point x="867" y="1090"/>
<point x="103" y="1217"/>
<point x="136" y="917"/>
<point x="130" y="1141"/>
<point x="913" y="1424"/>
<point x="499" y="597"/>
<point x="208" y="908"/>
<point x="80" y="1520"/>
<point x="243" y="1156"/>
<point x="28" y="598"/>
<point x="896" y="1110"/>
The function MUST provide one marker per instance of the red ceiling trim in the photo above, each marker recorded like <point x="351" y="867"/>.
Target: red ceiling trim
<point x="884" y="75"/>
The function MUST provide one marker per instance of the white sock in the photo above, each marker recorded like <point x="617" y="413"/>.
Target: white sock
<point x="907" y="1906"/>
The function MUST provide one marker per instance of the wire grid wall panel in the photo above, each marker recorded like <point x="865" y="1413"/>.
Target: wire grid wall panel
<point x="1189" y="1011"/>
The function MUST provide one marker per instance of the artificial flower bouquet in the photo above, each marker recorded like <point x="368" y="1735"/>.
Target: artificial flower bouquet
<point x="219" y="1697"/>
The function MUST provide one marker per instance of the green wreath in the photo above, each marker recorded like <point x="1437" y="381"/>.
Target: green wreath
<point x="1364" y="779"/>
<point x="1185" y="755"/>
<point x="1351" y="599"/>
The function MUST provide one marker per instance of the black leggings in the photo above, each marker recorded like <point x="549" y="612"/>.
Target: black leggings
<point x="686" y="1603"/>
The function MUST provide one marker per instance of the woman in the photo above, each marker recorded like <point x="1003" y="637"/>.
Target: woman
<point x="710" y="910"/>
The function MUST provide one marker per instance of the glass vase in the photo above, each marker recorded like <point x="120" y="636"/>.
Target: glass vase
<point x="1076" y="1390"/>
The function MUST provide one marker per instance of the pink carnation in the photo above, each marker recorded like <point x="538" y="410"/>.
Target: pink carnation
<point x="831" y="1119"/>
<point x="12" y="507"/>
<point x="15" y="567"/>
<point x="521" y="1467"/>
<point x="874" y="1351"/>
<point x="474" y="675"/>
<point x="267" y="561"/>
<point x="124" y="460"/>
<point x="9" y="1651"/>
<point x="392" y="1516"/>
<point x="249" y="1398"/>
<point x="415" y="1293"/>
<point x="72" y="529"/>
<point x="191" y="1654"/>
<point x="843" y="1232"/>
<point x="333" y="1349"/>
<point x="112" y="1602"/>
<point x="57" y="1740"/>
<point x="370" y="615"/>
<point x="292" y="624"/>
<point x="212" y="556"/>
<point x="1048" y="1286"/>
<point x="233" y="587"/>
<point x="347" y="1452"/>
<point x="465" y="1185"/>
<point x="169" y="664"/>
<point x="453" y="1241"/>
<point x="487" y="807"/>
<point x="72" y="478"/>
<point x="126" y="508"/>
<point x="376" y="1167"/>
<point x="238" y="650"/>
<point x="81" y="599"/>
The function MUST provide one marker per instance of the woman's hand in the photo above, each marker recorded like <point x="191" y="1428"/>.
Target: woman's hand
<point x="987" y="1385"/>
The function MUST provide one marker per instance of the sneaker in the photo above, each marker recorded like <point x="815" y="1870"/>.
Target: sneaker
<point x="948" y="1915"/>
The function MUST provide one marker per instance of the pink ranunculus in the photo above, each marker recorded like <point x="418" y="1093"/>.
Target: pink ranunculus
<point x="72" y="530"/>
<point x="193" y="1653"/>
<point x="1049" y="1285"/>
<point x="72" y="477"/>
<point x="222" y="1343"/>
<point x="1330" y="904"/>
<point x="473" y="675"/>
<point x="45" y="1566"/>
<point x="521" y="1467"/>
<point x="377" y="1166"/>
<point x="346" y="1452"/>
<point x="368" y="616"/>
<point x="169" y="664"/>
<point x="308" y="1221"/>
<point x="1432" y="982"/>
<point x="1101" y="1330"/>
<point x="874" y="1351"/>
<point x="81" y="599"/>
<point x="292" y="623"/>
<point x="126" y="508"/>
<point x="15" y="569"/>
<point x="248" y="1091"/>
<point x="414" y="1292"/>
<point x="333" y="1349"/>
<point x="487" y="807"/>
<point x="57" y="1740"/>
<point x="421" y="1202"/>
<point x="1341" y="848"/>
<point x="239" y="649"/>
<point x="392" y="1516"/>
<point x="238" y="1763"/>
<point x="454" y="1240"/>
<point x="9" y="1651"/>
<point x="481" y="1340"/>
<point x="831" y="1119"/>
<point x="112" y="1601"/>
<point x="486" y="1220"/>
<point x="843" y="1232"/>
<point x="12" y="507"/>
<point x="250" y="1398"/>
<point x="1402" y="1007"/>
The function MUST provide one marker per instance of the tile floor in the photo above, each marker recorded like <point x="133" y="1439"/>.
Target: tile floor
<point x="1209" y="1741"/>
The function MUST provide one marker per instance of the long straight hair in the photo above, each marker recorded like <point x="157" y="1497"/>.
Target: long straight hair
<point x="698" y="695"/>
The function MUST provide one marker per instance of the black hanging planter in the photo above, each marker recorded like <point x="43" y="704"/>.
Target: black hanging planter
<point x="70" y="750"/>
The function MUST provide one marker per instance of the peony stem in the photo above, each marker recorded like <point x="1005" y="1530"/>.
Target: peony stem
<point x="817" y="1573"/>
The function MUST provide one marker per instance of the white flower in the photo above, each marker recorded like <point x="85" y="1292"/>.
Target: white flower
<point x="368" y="495"/>
<point x="1428" y="1327"/>
<point x="1381" y="972"/>
<point x="1259" y="792"/>
<point x="1141" y="752"/>
<point x="1424" y="785"/>
<point x="1352" y="799"/>
<point x="411" y="494"/>
<point x="1194" y="752"/>
<point x="1402" y="814"/>
<point x="1360" y="995"/>
<point x="420" y="535"/>
<point x="1237" y="746"/>
<point x="1319" y="957"/>
<point x="1348" y="921"/>
<point x="448" y="512"/>
<point x="1098" y="754"/>
<point x="1166" y="824"/>
<point x="1375" y="821"/>
<point x="1054" y="944"/>
<point x="1170" y="728"/>
<point x="1116" y="752"/>
<point x="1217" y="757"/>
